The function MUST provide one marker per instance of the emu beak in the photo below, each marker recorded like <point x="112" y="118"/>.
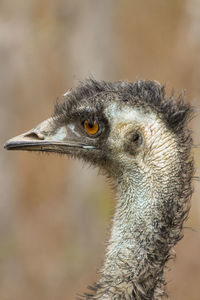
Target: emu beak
<point x="49" y="138"/>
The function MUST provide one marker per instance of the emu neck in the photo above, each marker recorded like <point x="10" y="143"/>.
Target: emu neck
<point x="141" y="236"/>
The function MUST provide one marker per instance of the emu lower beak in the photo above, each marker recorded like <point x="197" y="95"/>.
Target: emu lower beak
<point x="45" y="137"/>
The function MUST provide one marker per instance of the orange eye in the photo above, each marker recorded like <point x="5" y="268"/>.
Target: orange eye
<point x="91" y="127"/>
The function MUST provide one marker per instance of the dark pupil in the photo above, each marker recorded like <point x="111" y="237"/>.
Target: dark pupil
<point x="90" y="124"/>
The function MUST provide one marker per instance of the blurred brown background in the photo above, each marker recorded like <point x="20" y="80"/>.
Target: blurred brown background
<point x="54" y="214"/>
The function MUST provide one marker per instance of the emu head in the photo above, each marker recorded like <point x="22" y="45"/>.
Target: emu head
<point x="113" y="125"/>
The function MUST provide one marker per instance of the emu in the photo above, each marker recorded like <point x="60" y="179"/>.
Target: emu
<point x="141" y="140"/>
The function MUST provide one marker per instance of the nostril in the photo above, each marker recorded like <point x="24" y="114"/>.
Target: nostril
<point x="35" y="136"/>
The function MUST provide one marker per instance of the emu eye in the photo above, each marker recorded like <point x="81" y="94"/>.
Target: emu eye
<point x="91" y="127"/>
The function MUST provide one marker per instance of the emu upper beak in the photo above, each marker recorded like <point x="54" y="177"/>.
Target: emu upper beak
<point x="46" y="137"/>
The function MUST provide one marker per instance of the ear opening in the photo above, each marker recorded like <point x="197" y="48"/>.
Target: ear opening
<point x="133" y="142"/>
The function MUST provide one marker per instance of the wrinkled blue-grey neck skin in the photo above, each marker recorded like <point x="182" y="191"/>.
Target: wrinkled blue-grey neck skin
<point x="146" y="177"/>
<point x="152" y="200"/>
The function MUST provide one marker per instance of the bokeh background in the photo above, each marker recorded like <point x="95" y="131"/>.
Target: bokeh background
<point x="54" y="213"/>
